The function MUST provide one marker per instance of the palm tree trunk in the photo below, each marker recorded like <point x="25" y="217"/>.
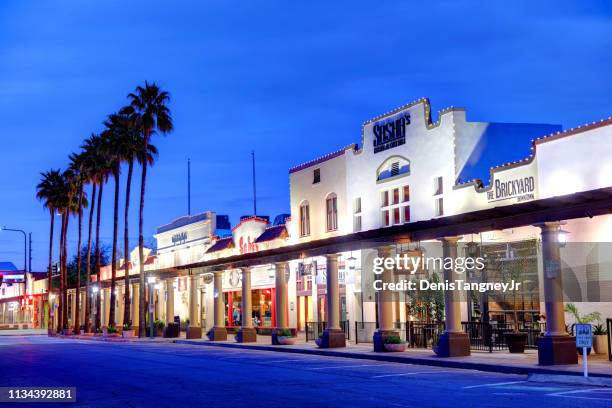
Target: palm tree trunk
<point x="60" y="299"/>
<point x="98" y="263"/>
<point x="88" y="267"/>
<point x="111" y="319"/>
<point x="126" y="244"/>
<point x="65" y="261"/>
<point x="142" y="303"/>
<point x="77" y="303"/>
<point x="49" y="276"/>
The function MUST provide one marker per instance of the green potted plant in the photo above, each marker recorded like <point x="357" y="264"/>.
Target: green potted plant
<point x="582" y="319"/>
<point x="127" y="332"/>
<point x="285" y="337"/>
<point x="112" y="331"/>
<point x="159" y="328"/>
<point x="394" y="344"/>
<point x="600" y="339"/>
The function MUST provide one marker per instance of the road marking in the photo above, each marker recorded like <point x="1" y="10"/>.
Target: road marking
<point x="413" y="373"/>
<point x="493" y="384"/>
<point x="564" y="394"/>
<point x="282" y="361"/>
<point x="347" y="366"/>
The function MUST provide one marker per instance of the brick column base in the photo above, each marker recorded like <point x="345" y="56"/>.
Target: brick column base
<point x="194" y="332"/>
<point x="217" y="334"/>
<point x="246" y="335"/>
<point x="453" y="345"/>
<point x="332" y="339"/>
<point x="555" y="350"/>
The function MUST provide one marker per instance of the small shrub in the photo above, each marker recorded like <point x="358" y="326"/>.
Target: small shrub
<point x="285" y="333"/>
<point x="599" y="330"/>
<point x="159" y="324"/>
<point x="393" y="340"/>
<point x="111" y="329"/>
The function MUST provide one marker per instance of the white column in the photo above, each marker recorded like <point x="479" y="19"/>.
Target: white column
<point x="452" y="306"/>
<point x="281" y="295"/>
<point x="135" y="304"/>
<point x="106" y="306"/>
<point x="169" y="300"/>
<point x="247" y="304"/>
<point x="219" y="303"/>
<point x="333" y="293"/>
<point x="193" y="301"/>
<point x="385" y="297"/>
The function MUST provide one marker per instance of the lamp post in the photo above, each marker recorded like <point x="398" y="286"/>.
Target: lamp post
<point x="94" y="292"/>
<point x="25" y="246"/>
<point x="151" y="282"/>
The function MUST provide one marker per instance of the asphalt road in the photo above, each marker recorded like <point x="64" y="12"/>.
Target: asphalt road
<point x="175" y="375"/>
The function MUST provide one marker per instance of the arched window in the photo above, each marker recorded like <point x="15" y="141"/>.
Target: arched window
<point x="331" y="206"/>
<point x="393" y="167"/>
<point x="304" y="219"/>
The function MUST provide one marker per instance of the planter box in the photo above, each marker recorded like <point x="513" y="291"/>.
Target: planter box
<point x="395" y="347"/>
<point x="286" y="341"/>
<point x="600" y="344"/>
<point x="516" y="342"/>
<point x="127" y="334"/>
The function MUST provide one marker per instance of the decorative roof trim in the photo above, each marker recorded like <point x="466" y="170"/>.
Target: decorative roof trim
<point x="251" y="218"/>
<point x="323" y="158"/>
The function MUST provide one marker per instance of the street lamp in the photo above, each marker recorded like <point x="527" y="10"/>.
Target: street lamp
<point x="25" y="246"/>
<point x="94" y="292"/>
<point x="562" y="237"/>
<point x="151" y="282"/>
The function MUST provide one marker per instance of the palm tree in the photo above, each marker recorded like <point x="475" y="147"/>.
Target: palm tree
<point x="114" y="145"/>
<point x="78" y="167"/>
<point x="48" y="191"/>
<point x="91" y="171"/>
<point x="98" y="169"/>
<point x="148" y="106"/>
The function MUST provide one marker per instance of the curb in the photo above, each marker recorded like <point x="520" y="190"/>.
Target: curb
<point x="388" y="357"/>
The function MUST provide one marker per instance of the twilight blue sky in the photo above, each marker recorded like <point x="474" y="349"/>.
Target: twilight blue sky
<point x="292" y="80"/>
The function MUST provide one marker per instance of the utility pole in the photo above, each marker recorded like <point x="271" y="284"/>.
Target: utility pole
<point x="188" y="186"/>
<point x="30" y="253"/>
<point x="254" y="185"/>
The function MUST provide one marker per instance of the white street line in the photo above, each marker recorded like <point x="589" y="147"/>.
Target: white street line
<point x="493" y="384"/>
<point x="413" y="373"/>
<point x="565" y="394"/>
<point x="346" y="366"/>
<point x="282" y="361"/>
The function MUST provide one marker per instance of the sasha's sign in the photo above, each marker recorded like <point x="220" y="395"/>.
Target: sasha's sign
<point x="391" y="133"/>
<point x="523" y="189"/>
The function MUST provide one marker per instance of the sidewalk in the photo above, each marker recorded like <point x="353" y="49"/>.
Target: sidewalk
<point x="23" y="332"/>
<point x="500" y="362"/>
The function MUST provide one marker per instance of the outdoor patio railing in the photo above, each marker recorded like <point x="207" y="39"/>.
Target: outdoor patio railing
<point x="314" y="329"/>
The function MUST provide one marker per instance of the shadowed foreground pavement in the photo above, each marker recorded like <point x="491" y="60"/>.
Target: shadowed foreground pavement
<point x="176" y="375"/>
